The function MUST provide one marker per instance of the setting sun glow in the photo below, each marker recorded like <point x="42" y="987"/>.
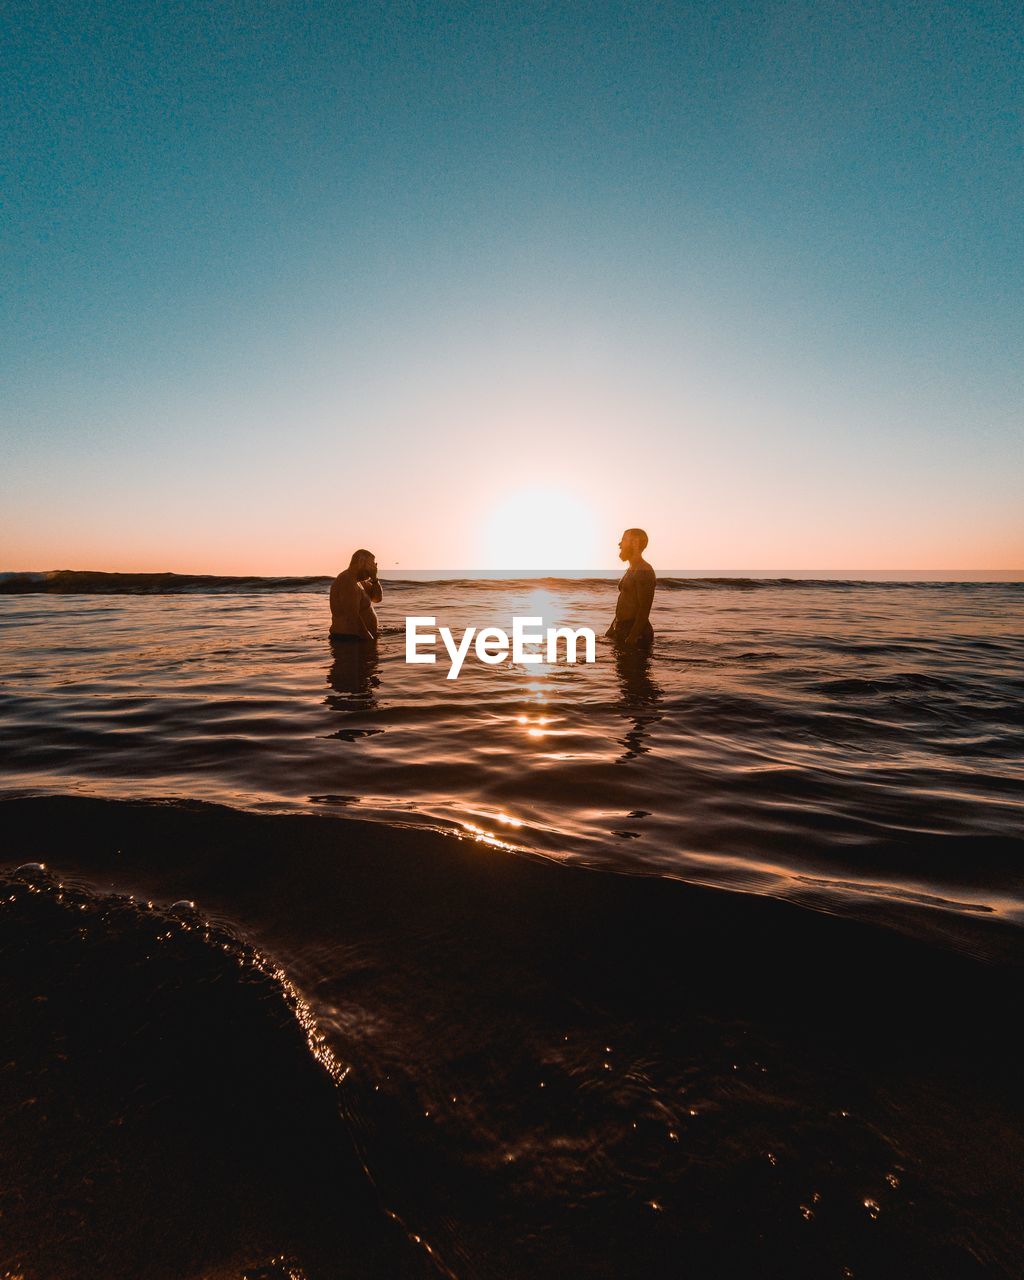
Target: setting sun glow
<point x="540" y="528"/>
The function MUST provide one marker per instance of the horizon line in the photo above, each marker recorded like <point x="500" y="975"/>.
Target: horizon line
<point x="396" y="571"/>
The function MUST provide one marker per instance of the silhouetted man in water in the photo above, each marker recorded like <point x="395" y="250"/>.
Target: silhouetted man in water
<point x="632" y="622"/>
<point x="354" y="592"/>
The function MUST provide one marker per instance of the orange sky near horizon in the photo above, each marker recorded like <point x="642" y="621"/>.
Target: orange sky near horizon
<point x="527" y="527"/>
<point x="528" y="445"/>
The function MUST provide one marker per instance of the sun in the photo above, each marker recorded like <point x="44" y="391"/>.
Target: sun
<point x="542" y="528"/>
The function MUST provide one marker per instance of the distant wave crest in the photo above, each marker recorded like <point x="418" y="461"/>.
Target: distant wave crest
<point x="93" y="582"/>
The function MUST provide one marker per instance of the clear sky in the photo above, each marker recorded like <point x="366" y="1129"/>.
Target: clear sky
<point x="480" y="284"/>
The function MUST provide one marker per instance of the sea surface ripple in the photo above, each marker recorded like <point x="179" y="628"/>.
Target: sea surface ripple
<point x="855" y="746"/>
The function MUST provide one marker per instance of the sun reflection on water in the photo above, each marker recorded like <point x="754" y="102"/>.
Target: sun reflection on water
<point x="476" y="832"/>
<point x="480" y="833"/>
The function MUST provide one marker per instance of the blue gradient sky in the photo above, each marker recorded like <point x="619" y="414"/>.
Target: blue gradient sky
<point x="285" y="279"/>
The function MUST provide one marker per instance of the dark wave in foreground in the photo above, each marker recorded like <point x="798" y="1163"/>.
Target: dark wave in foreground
<point x="90" y="582"/>
<point x="554" y="1072"/>
<point x="168" y="1107"/>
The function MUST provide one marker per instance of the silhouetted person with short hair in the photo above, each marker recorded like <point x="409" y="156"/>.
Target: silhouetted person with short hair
<point x="354" y="592"/>
<point x="632" y="622"/>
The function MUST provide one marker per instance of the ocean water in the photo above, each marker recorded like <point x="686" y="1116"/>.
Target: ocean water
<point x="486" y="918"/>
<point x="858" y="746"/>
